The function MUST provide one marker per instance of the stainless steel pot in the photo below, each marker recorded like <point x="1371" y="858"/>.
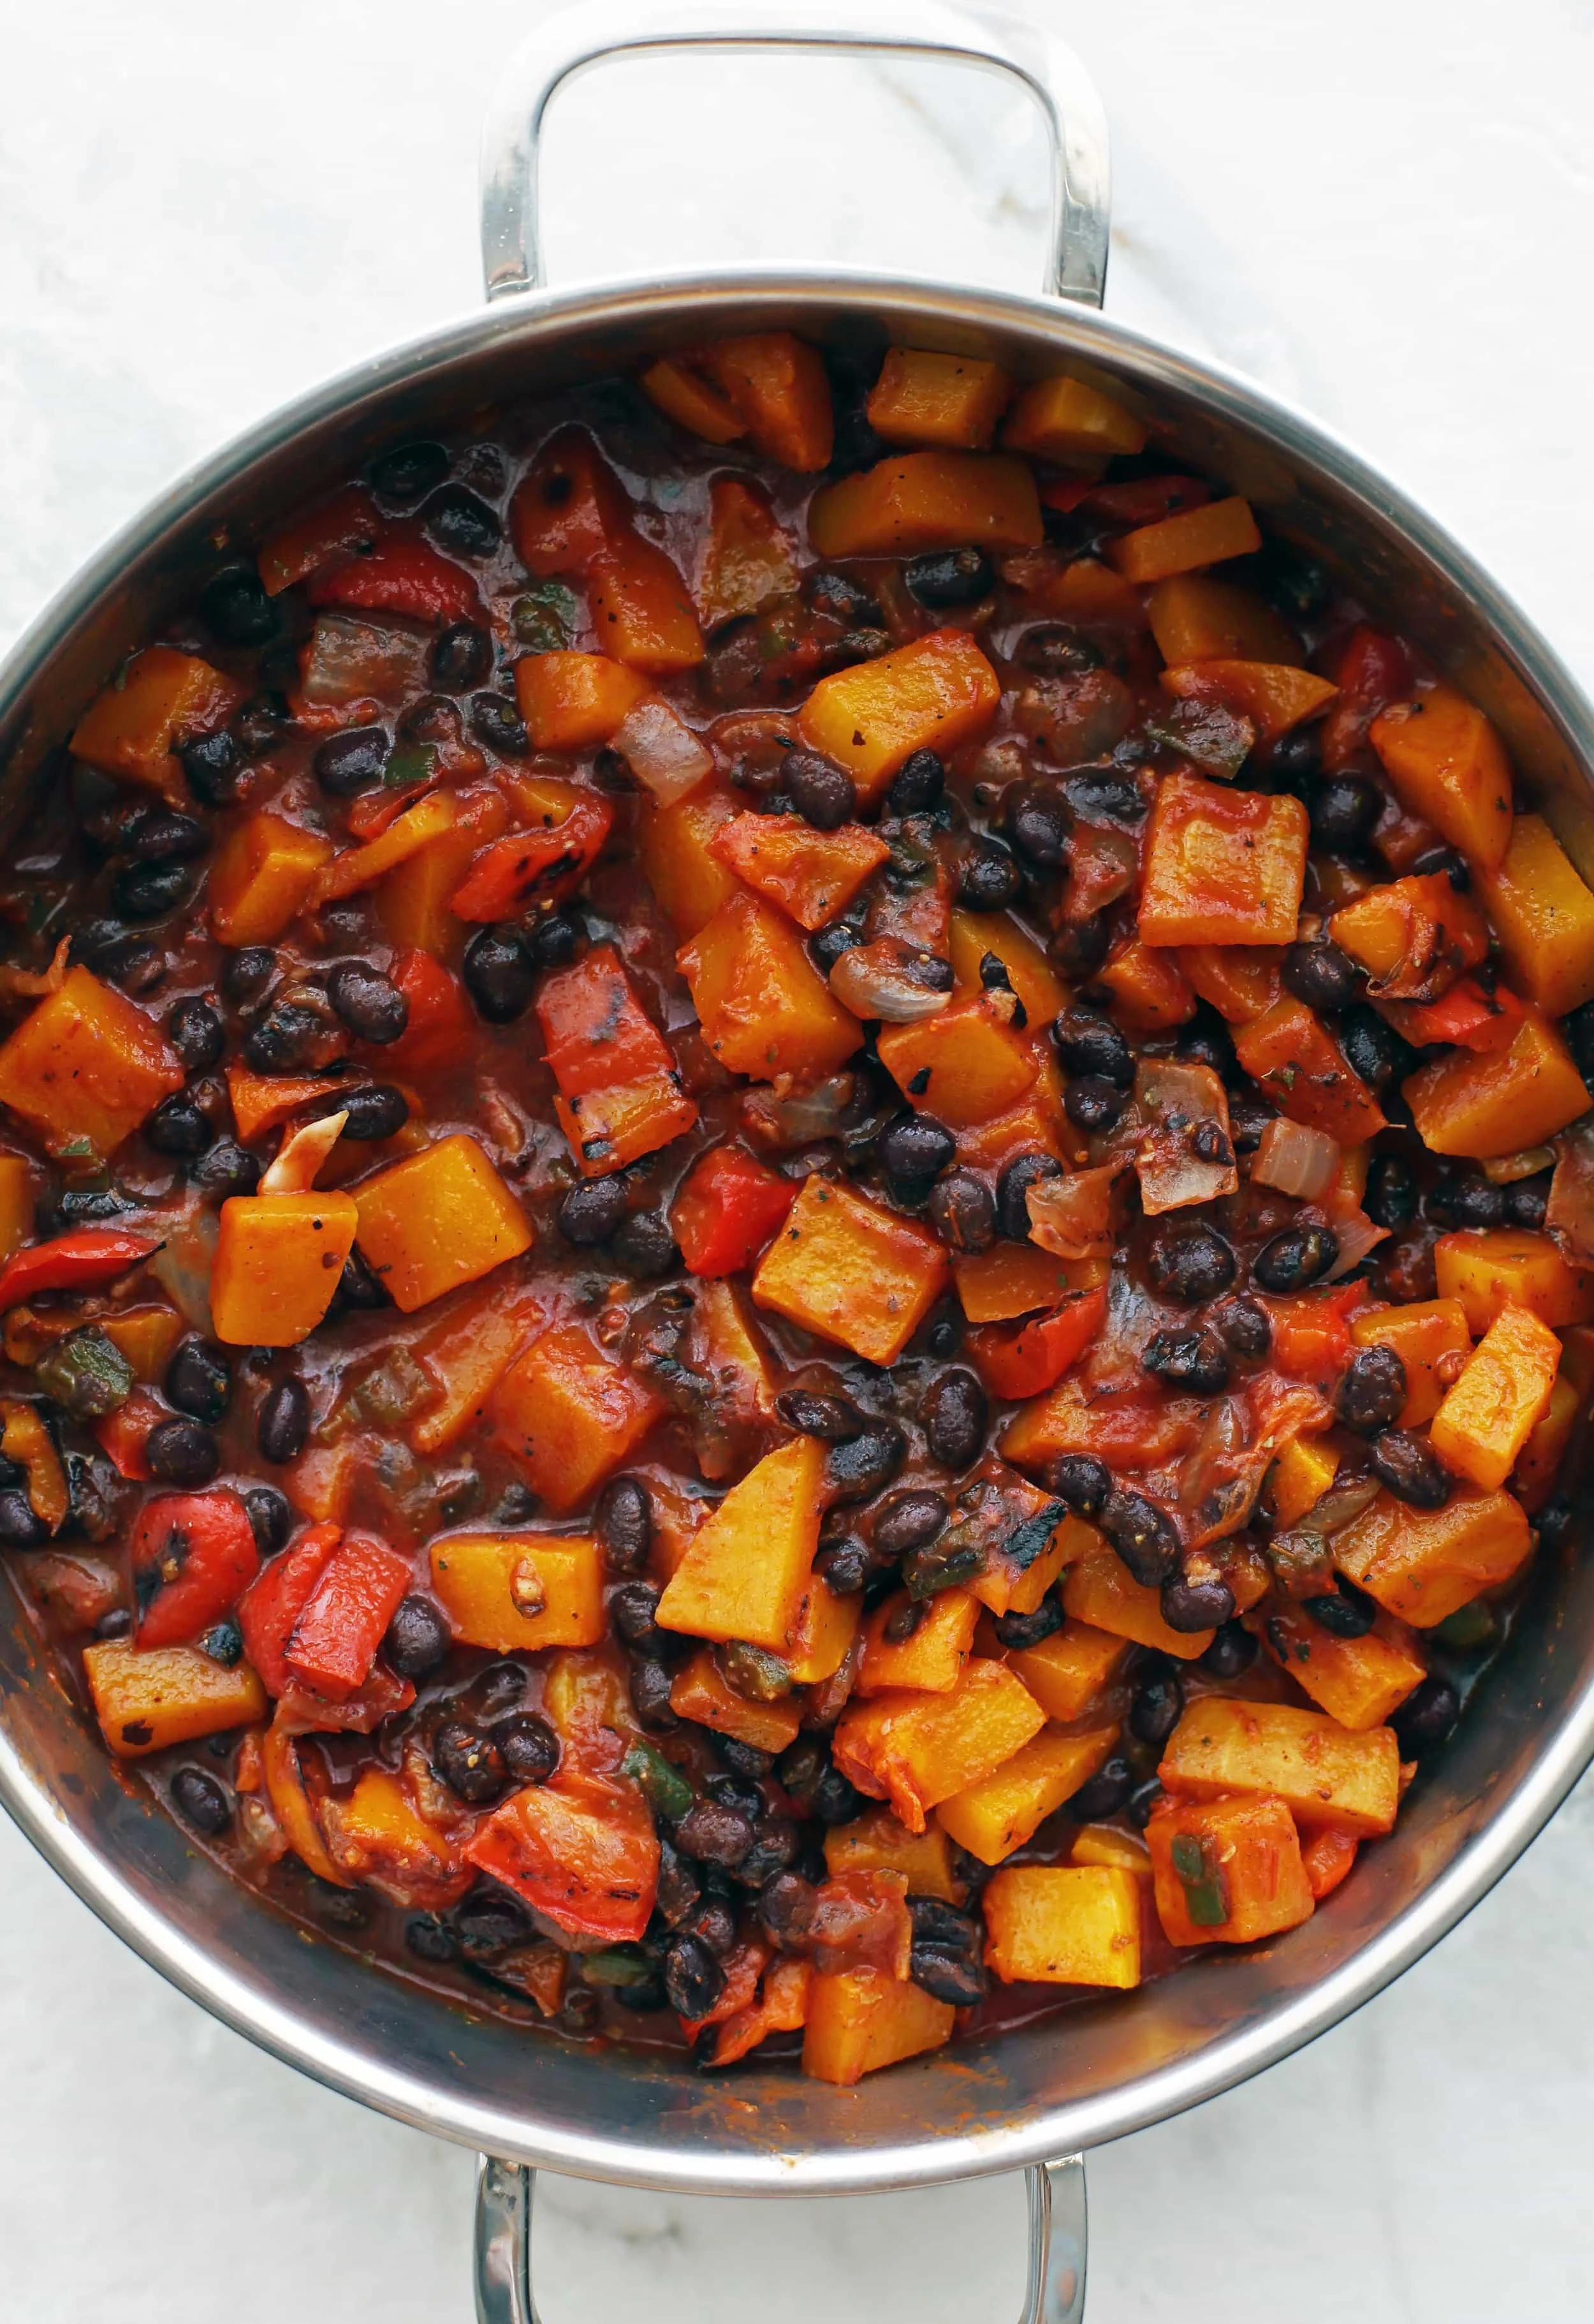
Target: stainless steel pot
<point x="1023" y="2099"/>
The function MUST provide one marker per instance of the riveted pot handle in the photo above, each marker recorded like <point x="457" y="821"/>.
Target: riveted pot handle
<point x="1055" y="2292"/>
<point x="596" y="31"/>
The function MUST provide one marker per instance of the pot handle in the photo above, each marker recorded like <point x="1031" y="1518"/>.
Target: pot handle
<point x="595" y="31"/>
<point x="1055" y="2292"/>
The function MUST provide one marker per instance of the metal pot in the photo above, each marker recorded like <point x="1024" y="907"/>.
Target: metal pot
<point x="1023" y="2099"/>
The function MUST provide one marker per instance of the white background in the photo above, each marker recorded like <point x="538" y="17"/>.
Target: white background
<point x="1384" y="208"/>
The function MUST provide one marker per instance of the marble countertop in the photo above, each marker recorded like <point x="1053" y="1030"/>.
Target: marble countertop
<point x="1377" y="208"/>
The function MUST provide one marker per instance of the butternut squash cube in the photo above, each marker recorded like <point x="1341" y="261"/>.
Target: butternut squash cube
<point x="747" y="1571"/>
<point x="701" y="1694"/>
<point x="1010" y="1586"/>
<point x="86" y="1065"/>
<point x="863" y="2020"/>
<point x="606" y="1128"/>
<point x="1544" y="915"/>
<point x="1065" y="418"/>
<point x="923" y="398"/>
<point x="1359" y="1682"/>
<point x="1149" y="990"/>
<point x="16" y="1203"/>
<point x="1449" y="766"/>
<point x="376" y="1836"/>
<point x="574" y="701"/>
<point x="932" y="1657"/>
<point x="825" y="1634"/>
<point x="1227" y="1872"/>
<point x="1301" y="1475"/>
<point x="1194" y="618"/>
<point x="514" y="1593"/>
<point x="972" y="935"/>
<point x="167" y="1694"/>
<point x="747" y="560"/>
<point x="675" y="846"/>
<point x="1184" y="543"/>
<point x="922" y="501"/>
<point x="811" y="874"/>
<point x="1484" y="1268"/>
<point x="1101" y="1592"/>
<point x="1064" y="1925"/>
<point x="641" y="610"/>
<point x="975" y="1067"/>
<point x="764" y="1007"/>
<point x="278" y="1262"/>
<point x="1018" y="1279"/>
<point x="779" y="384"/>
<point x="1430" y="1337"/>
<point x="467" y="1355"/>
<point x="414" y="899"/>
<point x="148" y="1337"/>
<point x="1274" y="696"/>
<point x="1422" y="1564"/>
<point x="876" y="1842"/>
<point x="262" y="878"/>
<point x="1533" y="1480"/>
<point x="440" y="1218"/>
<point x="1106" y="1844"/>
<point x="1321" y="1771"/>
<point x="570" y="1414"/>
<point x="1222" y="866"/>
<point x="1499" y="1399"/>
<point x="1066" y="1672"/>
<point x="691" y="403"/>
<point x="1413" y="937"/>
<point x="1485" y="1105"/>
<point x="1002" y="1811"/>
<point x="851" y="1271"/>
<point x="917" y="1749"/>
<point x="932" y="694"/>
<point x="160" y="700"/>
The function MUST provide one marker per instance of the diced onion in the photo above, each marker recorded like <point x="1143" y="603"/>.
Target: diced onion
<point x="1527" y="1164"/>
<point x="299" y="1157"/>
<point x="182" y="1266"/>
<point x="661" y="750"/>
<point x="1570" y="1215"/>
<point x="893" y="981"/>
<point x="1180" y="1104"/>
<point x="352" y="659"/>
<point x="1072" y="1216"/>
<point x="1356" y="1235"/>
<point x="1295" y="1160"/>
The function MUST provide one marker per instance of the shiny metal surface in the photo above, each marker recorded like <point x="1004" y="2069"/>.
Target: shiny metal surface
<point x="598" y="31"/>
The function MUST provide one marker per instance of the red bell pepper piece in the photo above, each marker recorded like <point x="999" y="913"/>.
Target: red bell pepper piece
<point x="533" y="866"/>
<point x="403" y="574"/>
<point x="439" y="1029"/>
<point x="123" y="1434"/>
<point x="1034" y="1357"/>
<point x="192" y="1554"/>
<point x="333" y="1642"/>
<point x="1311" y="1333"/>
<point x="1145" y="500"/>
<point x="1465" y="1016"/>
<point x="1374" y="670"/>
<point x="728" y="1210"/>
<point x="596" y="1033"/>
<point x="293" y="551"/>
<point x="79" y="1261"/>
<point x="579" y="1849"/>
<point x="382" y="1695"/>
<point x="274" y="1601"/>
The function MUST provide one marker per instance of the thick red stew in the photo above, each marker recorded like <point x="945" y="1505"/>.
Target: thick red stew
<point x="797" y="1203"/>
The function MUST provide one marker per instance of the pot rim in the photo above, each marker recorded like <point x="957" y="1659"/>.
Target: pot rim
<point x="695" y="2166"/>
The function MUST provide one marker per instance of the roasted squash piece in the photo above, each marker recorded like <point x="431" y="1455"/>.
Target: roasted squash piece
<point x="442" y="1218"/>
<point x="262" y="878"/>
<point x="924" y="398"/>
<point x="973" y="936"/>
<point x="278" y="1262"/>
<point x="675" y="846"/>
<point x="1195" y="618"/>
<point x="1184" y="543"/>
<point x="962" y="1066"/>
<point x="1222" y="866"/>
<point x="747" y="560"/>
<point x="87" y="1065"/>
<point x="1064" y="1925"/>
<point x="932" y="694"/>
<point x="1360" y="1682"/>
<point x="574" y="701"/>
<point x="1274" y="696"/>
<point x="1228" y="1871"/>
<point x="811" y="874"/>
<point x="515" y="1593"/>
<point x="1102" y="1593"/>
<point x="1001" y="1812"/>
<point x="746" y="1573"/>
<point x="1542" y="912"/>
<point x="161" y="699"/>
<point x="852" y="1272"/>
<point x="862" y="2019"/>
<point x="1484" y="1268"/>
<point x="1302" y="1068"/>
<point x="1415" y="937"/>
<point x="701" y="1694"/>
<point x="642" y="609"/>
<point x="570" y="1414"/>
<point x="1422" y="1564"/>
<point x="1066" y="419"/>
<point x="1448" y="765"/>
<point x="1301" y="1474"/>
<point x="376" y="1836"/>
<point x="931" y="1656"/>
<point x="1148" y="988"/>
<point x="918" y="1750"/>
<point x="1431" y="1339"/>
<point x="1504" y="1392"/>
<point x="923" y="501"/>
<point x="1485" y="1105"/>
<point x="764" y="1007"/>
<point x="777" y="383"/>
<point x="146" y="1699"/>
<point x="1323" y="1773"/>
<point x="876" y="1842"/>
<point x="1066" y="1672"/>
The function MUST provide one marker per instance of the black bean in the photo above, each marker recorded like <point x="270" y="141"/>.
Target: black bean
<point x="1319" y="974"/>
<point x="460" y="521"/>
<point x="844" y="1564"/>
<point x="1232" y="1650"/>
<point x="1206" y="1041"/>
<point x="1527" y="1202"/>
<point x="555" y="939"/>
<point x="461" y="659"/>
<point x="745" y="1758"/>
<point x="1093" y="1104"/>
<point x="592" y="1212"/>
<point x="270" y="1519"/>
<point x="1249" y="1114"/>
<point x="963" y="1211"/>
<point x="1295" y="1257"/>
<point x="1374" y="1049"/>
<point x="908" y="1520"/>
<point x="494" y="1689"/>
<point x="417" y="1638"/>
<point x="213" y="764"/>
<point x="1476" y="1203"/>
<point x="835" y="1800"/>
<point x="19" y="1527"/>
<point x="1195" y="1361"/>
<point x="1427" y="1716"/>
<point x="1391" y="1197"/>
<point x="1015" y="1630"/>
<point x="1038" y="823"/>
<point x="147" y="891"/>
<point x="857" y="1471"/>
<point x="826" y="945"/>
<point x="644" y="1245"/>
<point x="1372" y="1392"/>
<point x="1344" y="1612"/>
<point x="284" y="1423"/>
<point x="1344" y="809"/>
<point x="943" y="1333"/>
<point x="1081" y="1481"/>
<point x="937" y="1922"/>
<point x="714" y="1924"/>
<point x="651" y="1684"/>
<point x="1104" y="1793"/>
<point x="499" y="973"/>
<point x="914" y="1149"/>
<point x="237" y="608"/>
<point x="950" y="576"/>
<point x="259" y="726"/>
<point x="1244" y="1326"/>
<point x="247" y="974"/>
<point x="1055" y="650"/>
<point x="954" y="1415"/>
<point x="349" y="762"/>
<point x="787" y="1907"/>
<point x="1142" y="1800"/>
<point x="359" y="1287"/>
<point x="225" y="1171"/>
<point x="528" y="1746"/>
<point x="917" y="785"/>
<point x="624" y="1522"/>
<point x="164" y="837"/>
<point x="426" y="1937"/>
<point x="631" y="1610"/>
<point x="497" y="722"/>
<point x="408" y="472"/>
<point x="195" y="1031"/>
<point x="1201" y="1605"/>
<point x="199" y="1380"/>
<point x="823" y="793"/>
<point x="989" y="879"/>
<point x="377" y="1110"/>
<point x="1145" y="1538"/>
<point x="1448" y="860"/>
<point x="1189" y="1262"/>
<point x="773" y="1852"/>
<point x="733" y="1790"/>
<point x="469" y="1762"/>
<point x="1012" y="1188"/>
<point x="834" y="1418"/>
<point x="948" y="1977"/>
<point x="1157" y="1705"/>
<point x="370" y="1004"/>
<point x="489" y="1922"/>
<point x="202" y="1801"/>
<point x="181" y="1452"/>
<point x="294" y="1037"/>
<point x="692" y="1978"/>
<point x="179" y="1127"/>
<point x="1089" y="1044"/>
<point x="715" y="1834"/>
<point x="1411" y="1468"/>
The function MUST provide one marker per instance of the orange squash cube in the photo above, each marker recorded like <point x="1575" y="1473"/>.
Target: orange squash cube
<point x="159" y="699"/>
<point x="278" y="1262"/>
<point x="609" y="1128"/>
<point x="1533" y="1480"/>
<point x="876" y="1842"/>
<point x="1302" y="1070"/>
<point x="675" y="846"/>
<point x="863" y="2020"/>
<point x="1017" y="1279"/>
<point x="1484" y="1268"/>
<point x="1195" y="618"/>
<point x="574" y="701"/>
<point x="16" y="1203"/>
<point x="931" y="1657"/>
<point x="1358" y="1681"/>
<point x="1427" y="1336"/>
<point x="1422" y="1564"/>
<point x="845" y="1269"/>
<point x="1183" y="543"/>
<point x="1274" y="696"/>
<point x="1148" y="990"/>
<point x="1101" y="1592"/>
<point x="568" y="507"/>
<point x="1222" y="867"/>
<point x="701" y="1694"/>
<point x="1010" y="1586"/>
<point x="147" y="1700"/>
<point x="917" y="1749"/>
<point x="692" y="402"/>
<point x="1064" y="1924"/>
<point x="1413" y="937"/>
<point x="922" y="501"/>
<point x="811" y="874"/>
<point x="376" y="1837"/>
<point x="746" y="1571"/>
<point x="570" y="1414"/>
<point x="515" y="1593"/>
<point x="1241" y="984"/>
<point x="1003" y="1811"/>
<point x="414" y="899"/>
<point x="642" y="609"/>
<point x="1065" y="418"/>
<point x="1125" y="1433"/>
<point x="764" y="1007"/>
<point x="1493" y="1408"/>
<point x="262" y="878"/>
<point x="1323" y="1773"/>
<point x="1228" y="1871"/>
<point x="1301" y="1476"/>
<point x="1448" y="765"/>
<point x="976" y="1066"/>
<point x="148" y="1337"/>
<point x="1485" y="1104"/>
<point x="357" y="867"/>
<point x="86" y="1063"/>
<point x="440" y="1218"/>
<point x="923" y="398"/>
<point x="932" y="694"/>
<point x="747" y="561"/>
<point x="467" y="1354"/>
<point x="1106" y="1845"/>
<point x="777" y="383"/>
<point x="824" y="1634"/>
<point x="1542" y="912"/>
<point x="1066" y="1672"/>
<point x="971" y="936"/>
